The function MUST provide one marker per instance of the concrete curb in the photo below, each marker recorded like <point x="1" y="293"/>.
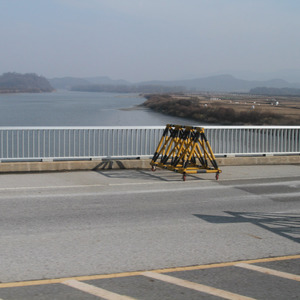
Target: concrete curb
<point x="259" y="160"/>
<point x="89" y="165"/>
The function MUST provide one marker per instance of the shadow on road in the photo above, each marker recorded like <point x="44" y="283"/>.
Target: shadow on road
<point x="285" y="225"/>
<point x="161" y="175"/>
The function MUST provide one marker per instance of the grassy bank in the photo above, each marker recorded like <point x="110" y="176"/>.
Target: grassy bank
<point x="229" y="109"/>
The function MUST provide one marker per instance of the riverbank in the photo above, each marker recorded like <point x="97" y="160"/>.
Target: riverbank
<point x="228" y="109"/>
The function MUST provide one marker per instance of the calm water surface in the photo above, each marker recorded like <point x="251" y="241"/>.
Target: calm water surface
<point x="65" y="108"/>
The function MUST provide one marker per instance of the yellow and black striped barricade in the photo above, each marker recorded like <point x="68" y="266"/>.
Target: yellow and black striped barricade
<point x="186" y="150"/>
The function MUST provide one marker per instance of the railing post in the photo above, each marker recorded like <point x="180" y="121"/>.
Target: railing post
<point x="88" y="142"/>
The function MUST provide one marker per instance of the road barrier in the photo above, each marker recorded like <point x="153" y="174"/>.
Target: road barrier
<point x="89" y="143"/>
<point x="186" y="150"/>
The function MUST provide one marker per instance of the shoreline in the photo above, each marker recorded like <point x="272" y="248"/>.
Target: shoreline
<point x="228" y="109"/>
<point x="137" y="107"/>
<point x="25" y="92"/>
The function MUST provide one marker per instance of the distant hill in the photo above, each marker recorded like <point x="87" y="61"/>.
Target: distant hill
<point x="67" y="83"/>
<point x="24" y="83"/>
<point x="128" y="88"/>
<point x="275" y="91"/>
<point x="106" y="80"/>
<point x="220" y="83"/>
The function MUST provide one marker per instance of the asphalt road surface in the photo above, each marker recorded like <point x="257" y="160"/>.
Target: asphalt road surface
<point x="58" y="225"/>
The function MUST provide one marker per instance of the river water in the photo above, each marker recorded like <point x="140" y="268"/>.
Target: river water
<point x="66" y="108"/>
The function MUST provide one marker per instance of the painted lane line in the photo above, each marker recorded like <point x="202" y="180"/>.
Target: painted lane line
<point x="74" y="194"/>
<point x="97" y="185"/>
<point x="63" y="279"/>
<point x="214" y="186"/>
<point x="183" y="188"/>
<point x="86" y="185"/>
<point x="137" y="273"/>
<point x="255" y="178"/>
<point x="282" y="195"/>
<point x="136" y="183"/>
<point x="290" y="183"/>
<point x="196" y="286"/>
<point x="269" y="271"/>
<point x="96" y="291"/>
<point x="226" y="264"/>
<point x="115" y="193"/>
<point x="157" y="190"/>
<point x="51" y="187"/>
<point x="76" y="186"/>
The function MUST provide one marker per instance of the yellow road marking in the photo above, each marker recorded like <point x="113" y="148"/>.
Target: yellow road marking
<point x="96" y="291"/>
<point x="269" y="271"/>
<point x="60" y="280"/>
<point x="254" y="236"/>
<point x="196" y="286"/>
<point x="226" y="264"/>
<point x="136" y="273"/>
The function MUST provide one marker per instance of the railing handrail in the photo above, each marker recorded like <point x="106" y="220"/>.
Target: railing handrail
<point x="153" y="127"/>
<point x="68" y="142"/>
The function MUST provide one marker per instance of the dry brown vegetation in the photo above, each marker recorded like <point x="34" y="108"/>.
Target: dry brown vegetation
<point x="229" y="109"/>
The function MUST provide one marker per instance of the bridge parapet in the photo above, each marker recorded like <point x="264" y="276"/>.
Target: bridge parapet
<point x="96" y="143"/>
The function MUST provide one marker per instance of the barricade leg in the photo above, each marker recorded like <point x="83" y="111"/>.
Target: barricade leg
<point x="186" y="150"/>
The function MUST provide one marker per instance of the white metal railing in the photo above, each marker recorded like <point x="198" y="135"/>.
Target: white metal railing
<point x="68" y="143"/>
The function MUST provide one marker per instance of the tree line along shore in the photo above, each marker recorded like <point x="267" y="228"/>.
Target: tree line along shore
<point x="228" y="109"/>
<point x="258" y="107"/>
<point x="24" y="83"/>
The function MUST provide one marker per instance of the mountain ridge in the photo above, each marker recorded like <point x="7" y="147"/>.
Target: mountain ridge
<point x="217" y="83"/>
<point x="12" y="82"/>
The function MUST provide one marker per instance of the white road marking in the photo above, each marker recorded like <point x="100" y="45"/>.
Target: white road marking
<point x="96" y="291"/>
<point x="50" y="187"/>
<point x="135" y="183"/>
<point x="269" y="271"/>
<point x="282" y="195"/>
<point x="75" y="194"/>
<point x="196" y="286"/>
<point x="180" y="187"/>
<point x="292" y="183"/>
<point x="114" y="192"/>
<point x="82" y="186"/>
<point x="254" y="178"/>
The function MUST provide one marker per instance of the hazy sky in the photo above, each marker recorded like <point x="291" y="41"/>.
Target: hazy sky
<point x="148" y="39"/>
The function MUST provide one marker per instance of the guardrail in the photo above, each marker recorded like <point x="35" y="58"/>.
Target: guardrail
<point x="70" y="143"/>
